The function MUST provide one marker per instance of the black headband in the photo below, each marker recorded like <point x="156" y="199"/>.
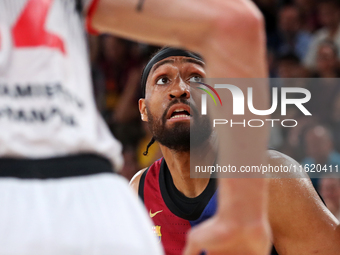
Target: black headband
<point x="163" y="54"/>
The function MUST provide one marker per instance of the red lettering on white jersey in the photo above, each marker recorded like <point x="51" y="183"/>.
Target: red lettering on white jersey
<point x="29" y="30"/>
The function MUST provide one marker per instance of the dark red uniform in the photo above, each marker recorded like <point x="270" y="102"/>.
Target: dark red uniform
<point x="172" y="213"/>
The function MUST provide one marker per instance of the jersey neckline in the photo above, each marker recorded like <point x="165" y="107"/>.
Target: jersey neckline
<point x="174" y="199"/>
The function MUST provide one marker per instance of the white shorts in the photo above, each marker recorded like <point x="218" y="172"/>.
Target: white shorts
<point x="94" y="214"/>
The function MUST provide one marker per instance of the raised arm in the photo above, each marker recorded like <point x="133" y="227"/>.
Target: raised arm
<point x="228" y="31"/>
<point x="230" y="36"/>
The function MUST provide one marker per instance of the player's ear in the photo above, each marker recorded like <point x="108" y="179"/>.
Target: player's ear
<point x="142" y="109"/>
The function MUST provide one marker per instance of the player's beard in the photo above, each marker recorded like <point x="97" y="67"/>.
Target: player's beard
<point x="178" y="137"/>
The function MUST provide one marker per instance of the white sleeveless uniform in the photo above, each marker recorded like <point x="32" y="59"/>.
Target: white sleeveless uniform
<point x="47" y="106"/>
<point x="47" y="110"/>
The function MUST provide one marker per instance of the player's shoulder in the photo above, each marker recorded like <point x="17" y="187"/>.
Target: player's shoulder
<point x="283" y="161"/>
<point x="134" y="183"/>
<point x="274" y="156"/>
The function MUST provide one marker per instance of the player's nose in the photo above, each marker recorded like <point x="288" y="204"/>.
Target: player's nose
<point x="179" y="89"/>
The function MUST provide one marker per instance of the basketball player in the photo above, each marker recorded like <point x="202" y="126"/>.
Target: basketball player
<point x="49" y="128"/>
<point x="299" y="221"/>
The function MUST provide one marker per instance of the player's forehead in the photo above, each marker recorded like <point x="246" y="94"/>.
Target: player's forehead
<point x="177" y="60"/>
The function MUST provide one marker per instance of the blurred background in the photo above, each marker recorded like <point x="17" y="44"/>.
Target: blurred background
<point x="303" y="41"/>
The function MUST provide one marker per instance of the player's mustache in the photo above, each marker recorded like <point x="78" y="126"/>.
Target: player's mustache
<point x="193" y="109"/>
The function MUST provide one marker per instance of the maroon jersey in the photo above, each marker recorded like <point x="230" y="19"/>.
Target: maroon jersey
<point x="173" y="214"/>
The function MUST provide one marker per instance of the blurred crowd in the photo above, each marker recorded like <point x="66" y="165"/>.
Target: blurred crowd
<point x="303" y="41"/>
<point x="117" y="65"/>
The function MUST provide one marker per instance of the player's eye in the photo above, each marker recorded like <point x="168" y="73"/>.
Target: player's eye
<point x="162" y="81"/>
<point x="196" y="78"/>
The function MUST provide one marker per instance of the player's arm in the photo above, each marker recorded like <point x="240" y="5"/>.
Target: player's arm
<point x="230" y="36"/>
<point x="300" y="222"/>
<point x="134" y="182"/>
<point x="215" y="26"/>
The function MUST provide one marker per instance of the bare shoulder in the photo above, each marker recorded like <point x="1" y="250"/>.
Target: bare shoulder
<point x="286" y="182"/>
<point x="286" y="166"/>
<point x="134" y="183"/>
<point x="297" y="213"/>
<point x="279" y="158"/>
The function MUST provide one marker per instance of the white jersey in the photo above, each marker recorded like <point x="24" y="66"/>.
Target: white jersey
<point x="47" y="107"/>
<point x="86" y="215"/>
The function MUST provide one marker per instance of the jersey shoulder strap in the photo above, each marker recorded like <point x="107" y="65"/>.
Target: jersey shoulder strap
<point x="141" y="185"/>
<point x="149" y="178"/>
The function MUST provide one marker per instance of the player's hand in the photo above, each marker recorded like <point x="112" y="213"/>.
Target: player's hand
<point x="220" y="235"/>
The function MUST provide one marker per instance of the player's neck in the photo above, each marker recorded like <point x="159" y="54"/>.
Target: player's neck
<point x="179" y="167"/>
